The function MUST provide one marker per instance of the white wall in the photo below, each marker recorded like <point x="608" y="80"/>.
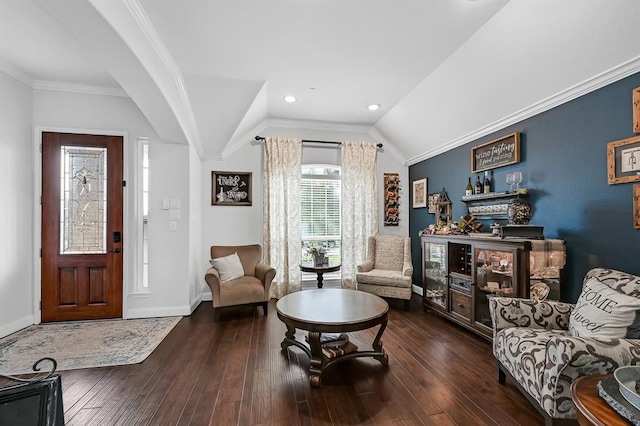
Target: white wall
<point x="196" y="283"/>
<point x="231" y="225"/>
<point x="16" y="209"/>
<point x="169" y="178"/>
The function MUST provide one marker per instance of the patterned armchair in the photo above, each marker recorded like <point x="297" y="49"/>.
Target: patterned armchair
<point x="388" y="270"/>
<point x="533" y="346"/>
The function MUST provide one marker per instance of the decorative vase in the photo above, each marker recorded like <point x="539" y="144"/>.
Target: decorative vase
<point x="318" y="259"/>
<point x="519" y="212"/>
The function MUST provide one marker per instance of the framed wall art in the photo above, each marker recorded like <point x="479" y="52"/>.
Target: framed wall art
<point x="391" y="199"/>
<point x="496" y="153"/>
<point x="623" y="160"/>
<point x="433" y="203"/>
<point x="636" y="110"/>
<point x="420" y="193"/>
<point x="230" y="188"/>
<point x="636" y="206"/>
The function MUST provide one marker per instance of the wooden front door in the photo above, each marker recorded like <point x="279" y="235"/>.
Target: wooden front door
<point x="81" y="226"/>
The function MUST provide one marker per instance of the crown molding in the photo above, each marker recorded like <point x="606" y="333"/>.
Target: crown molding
<point x="59" y="86"/>
<point x="598" y="81"/>
<point x="386" y="146"/>
<point x="16" y="73"/>
<point x="317" y="125"/>
<point x="190" y="127"/>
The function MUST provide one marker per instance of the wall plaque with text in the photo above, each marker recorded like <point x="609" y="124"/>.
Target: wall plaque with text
<point x="230" y="188"/>
<point x="496" y="153"/>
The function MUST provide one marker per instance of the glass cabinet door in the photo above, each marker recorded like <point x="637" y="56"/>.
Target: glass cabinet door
<point x="494" y="276"/>
<point x="435" y="273"/>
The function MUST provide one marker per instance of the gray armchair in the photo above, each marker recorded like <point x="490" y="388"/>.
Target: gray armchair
<point x="251" y="289"/>
<point x="388" y="270"/>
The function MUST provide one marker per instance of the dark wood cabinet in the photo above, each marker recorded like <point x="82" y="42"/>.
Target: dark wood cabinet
<point x="460" y="273"/>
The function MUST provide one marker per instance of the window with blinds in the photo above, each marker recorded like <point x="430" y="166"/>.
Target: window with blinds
<point x="320" y="209"/>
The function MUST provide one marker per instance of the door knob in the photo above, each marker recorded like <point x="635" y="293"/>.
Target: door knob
<point x="116" y="250"/>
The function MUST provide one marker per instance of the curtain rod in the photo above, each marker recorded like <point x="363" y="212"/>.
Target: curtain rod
<point x="261" y="138"/>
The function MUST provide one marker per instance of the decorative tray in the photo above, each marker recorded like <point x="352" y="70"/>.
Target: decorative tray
<point x="620" y="393"/>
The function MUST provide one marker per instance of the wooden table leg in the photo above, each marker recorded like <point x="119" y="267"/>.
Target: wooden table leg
<point x="320" y="279"/>
<point x="377" y="343"/>
<point x="288" y="337"/>
<point x="315" y="369"/>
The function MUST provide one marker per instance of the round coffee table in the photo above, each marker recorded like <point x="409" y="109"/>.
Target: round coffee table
<point x="331" y="310"/>
<point x="591" y="409"/>
<point x="320" y="269"/>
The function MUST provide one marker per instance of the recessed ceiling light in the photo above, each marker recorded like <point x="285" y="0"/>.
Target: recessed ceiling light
<point x="373" y="107"/>
<point x="290" y="99"/>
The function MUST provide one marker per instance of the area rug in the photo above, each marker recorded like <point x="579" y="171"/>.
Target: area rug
<point x="83" y="344"/>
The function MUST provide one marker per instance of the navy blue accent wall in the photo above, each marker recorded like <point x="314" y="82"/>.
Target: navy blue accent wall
<point x="564" y="165"/>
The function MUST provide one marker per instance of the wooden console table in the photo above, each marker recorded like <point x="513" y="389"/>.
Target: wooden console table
<point x="590" y="408"/>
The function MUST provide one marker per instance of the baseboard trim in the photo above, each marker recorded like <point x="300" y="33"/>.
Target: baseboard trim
<point x="17" y="325"/>
<point x="169" y="311"/>
<point x="416" y="289"/>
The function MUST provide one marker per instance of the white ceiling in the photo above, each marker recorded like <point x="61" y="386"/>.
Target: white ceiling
<point x="443" y="71"/>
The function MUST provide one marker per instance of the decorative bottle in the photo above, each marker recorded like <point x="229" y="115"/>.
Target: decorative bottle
<point x="469" y="190"/>
<point x="478" y="185"/>
<point x="487" y="182"/>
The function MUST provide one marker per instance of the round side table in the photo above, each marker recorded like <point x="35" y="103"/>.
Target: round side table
<point x="320" y="269"/>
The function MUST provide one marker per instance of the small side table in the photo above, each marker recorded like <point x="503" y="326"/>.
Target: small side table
<point x="320" y="269"/>
<point x="591" y="409"/>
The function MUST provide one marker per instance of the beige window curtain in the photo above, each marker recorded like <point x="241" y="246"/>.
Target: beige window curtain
<point x="359" y="205"/>
<point x="282" y="234"/>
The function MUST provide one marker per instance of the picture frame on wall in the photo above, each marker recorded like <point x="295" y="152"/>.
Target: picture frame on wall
<point x="636" y="110"/>
<point x="636" y="206"/>
<point x="623" y="160"/>
<point x="231" y="188"/>
<point x="496" y="153"/>
<point x="420" y="193"/>
<point x="433" y="200"/>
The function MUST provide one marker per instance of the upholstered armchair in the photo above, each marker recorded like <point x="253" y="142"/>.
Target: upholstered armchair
<point x="543" y="346"/>
<point x="253" y="282"/>
<point x="387" y="271"/>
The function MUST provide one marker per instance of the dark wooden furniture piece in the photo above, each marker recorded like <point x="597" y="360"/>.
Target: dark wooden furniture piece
<point x="461" y="272"/>
<point x="331" y="311"/>
<point x="320" y="269"/>
<point x="34" y="401"/>
<point x="591" y="409"/>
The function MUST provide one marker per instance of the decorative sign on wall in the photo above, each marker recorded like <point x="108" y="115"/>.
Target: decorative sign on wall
<point x="497" y="153"/>
<point x="230" y="188"/>
<point x="636" y="205"/>
<point x="636" y="110"/>
<point x="623" y="160"/>
<point x="391" y="199"/>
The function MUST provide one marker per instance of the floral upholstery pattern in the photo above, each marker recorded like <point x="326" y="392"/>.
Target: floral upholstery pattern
<point x="532" y="343"/>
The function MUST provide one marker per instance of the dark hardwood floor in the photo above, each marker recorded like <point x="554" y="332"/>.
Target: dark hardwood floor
<point x="234" y="373"/>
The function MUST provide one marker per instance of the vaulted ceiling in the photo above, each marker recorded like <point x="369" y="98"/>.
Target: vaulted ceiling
<point x="213" y="73"/>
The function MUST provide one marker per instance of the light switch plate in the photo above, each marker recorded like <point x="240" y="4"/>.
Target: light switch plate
<point x="173" y="225"/>
<point x="174" y="214"/>
<point x="175" y="203"/>
<point x="165" y="204"/>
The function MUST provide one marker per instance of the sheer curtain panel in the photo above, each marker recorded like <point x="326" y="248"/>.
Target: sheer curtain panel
<point x="282" y="235"/>
<point x="359" y="205"/>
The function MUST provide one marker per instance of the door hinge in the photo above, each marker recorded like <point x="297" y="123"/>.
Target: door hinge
<point x="124" y="183"/>
<point x="40" y="252"/>
<point x="41" y="305"/>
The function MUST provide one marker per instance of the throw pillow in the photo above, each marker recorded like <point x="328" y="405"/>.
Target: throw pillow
<point x="603" y="312"/>
<point x="228" y="267"/>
